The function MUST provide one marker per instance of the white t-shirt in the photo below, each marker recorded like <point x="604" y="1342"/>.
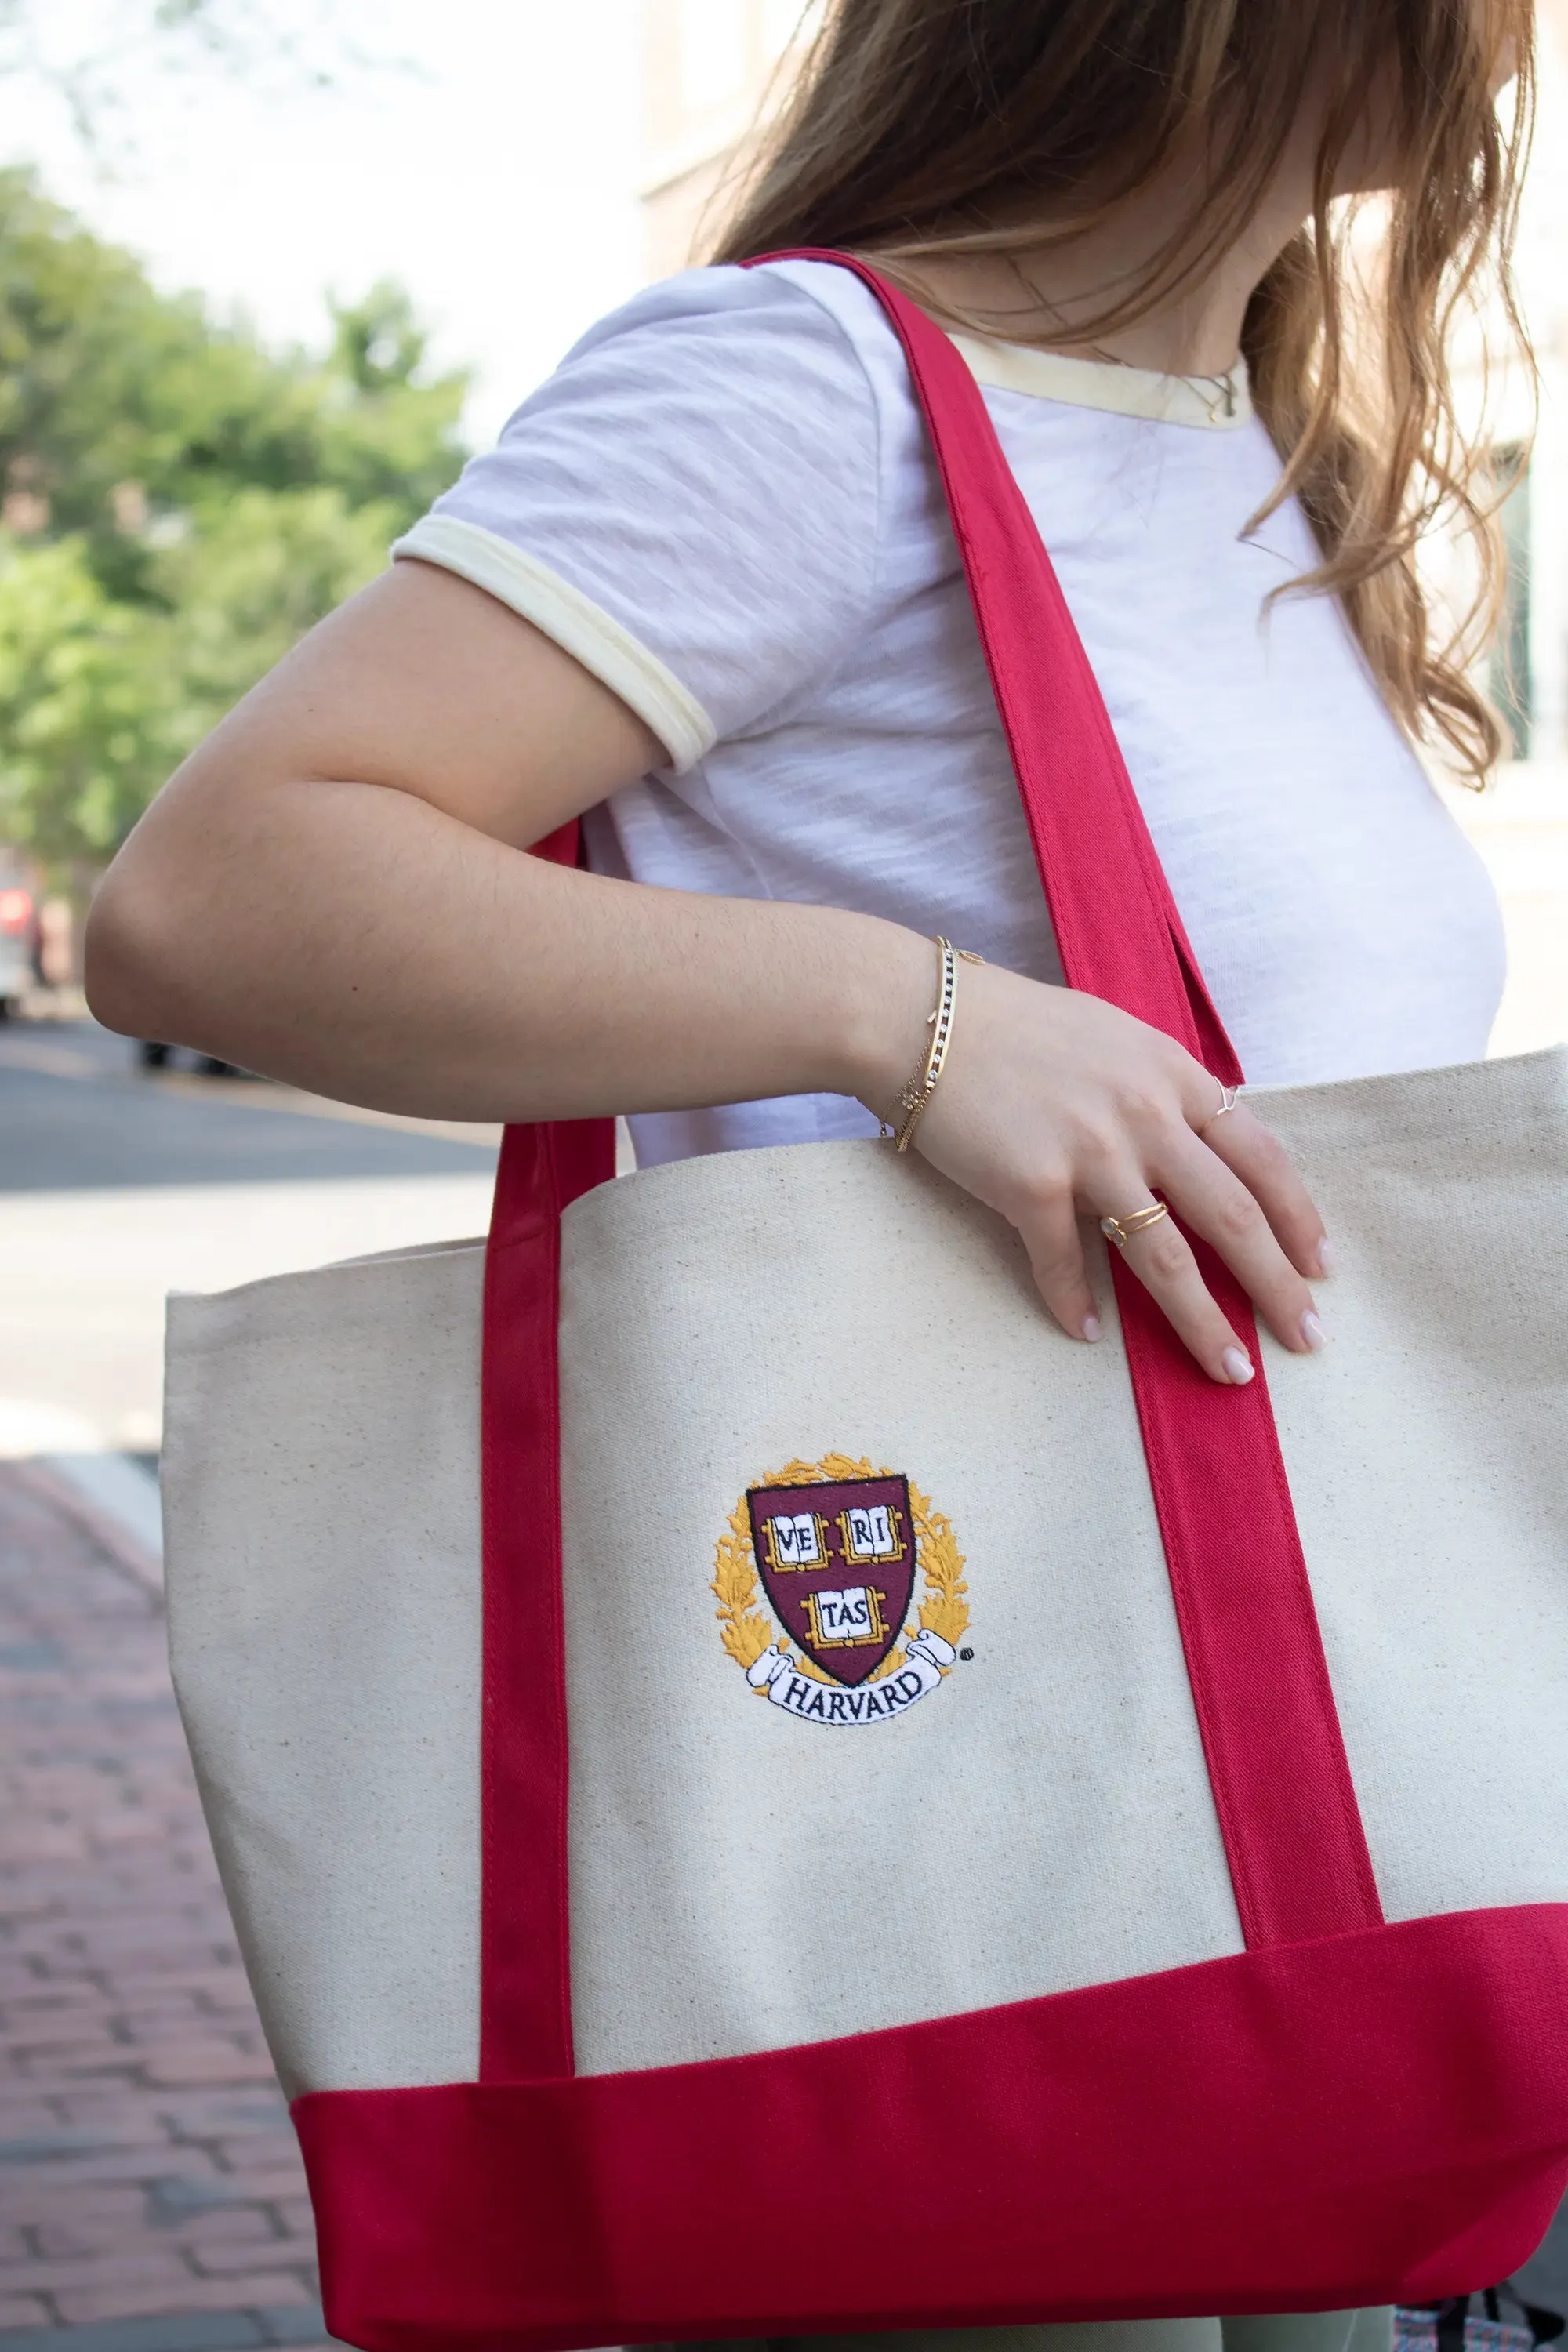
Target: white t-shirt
<point x="723" y="504"/>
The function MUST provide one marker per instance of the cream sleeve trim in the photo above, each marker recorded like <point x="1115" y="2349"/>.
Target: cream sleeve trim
<point x="578" y="625"/>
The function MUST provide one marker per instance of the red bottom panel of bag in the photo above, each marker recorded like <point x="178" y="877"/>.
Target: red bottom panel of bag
<point x="1375" y="2118"/>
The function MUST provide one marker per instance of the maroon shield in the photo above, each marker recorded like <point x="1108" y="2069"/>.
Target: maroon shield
<point x="838" y="1565"/>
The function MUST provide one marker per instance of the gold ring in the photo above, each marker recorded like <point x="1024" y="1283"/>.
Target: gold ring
<point x="1120" y="1230"/>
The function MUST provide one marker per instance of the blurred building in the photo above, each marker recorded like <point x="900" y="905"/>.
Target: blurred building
<point x="709" y="66"/>
<point x="1521" y="825"/>
<point x="712" y="68"/>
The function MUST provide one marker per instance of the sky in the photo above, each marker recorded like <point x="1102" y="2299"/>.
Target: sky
<point x="489" y="163"/>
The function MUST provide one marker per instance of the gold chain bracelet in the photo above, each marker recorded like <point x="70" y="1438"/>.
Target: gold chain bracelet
<point x="922" y="1083"/>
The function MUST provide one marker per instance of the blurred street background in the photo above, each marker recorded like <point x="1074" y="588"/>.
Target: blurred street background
<point x="269" y="269"/>
<point x="119" y="1184"/>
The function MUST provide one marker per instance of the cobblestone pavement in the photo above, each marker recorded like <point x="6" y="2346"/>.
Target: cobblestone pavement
<point x="150" y="2192"/>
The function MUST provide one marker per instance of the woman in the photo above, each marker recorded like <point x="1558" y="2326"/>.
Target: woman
<point x="704" y="591"/>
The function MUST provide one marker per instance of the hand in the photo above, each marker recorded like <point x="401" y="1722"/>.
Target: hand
<point x="1054" y="1106"/>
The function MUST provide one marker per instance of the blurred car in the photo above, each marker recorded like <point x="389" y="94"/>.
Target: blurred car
<point x="19" y="940"/>
<point x="153" y="1055"/>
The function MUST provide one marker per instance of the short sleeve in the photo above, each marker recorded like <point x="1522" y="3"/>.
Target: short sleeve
<point x="689" y="506"/>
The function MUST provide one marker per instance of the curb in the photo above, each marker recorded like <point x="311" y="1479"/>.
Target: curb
<point x="112" y="1500"/>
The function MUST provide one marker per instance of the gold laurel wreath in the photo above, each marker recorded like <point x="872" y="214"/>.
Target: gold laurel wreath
<point x="746" y="1631"/>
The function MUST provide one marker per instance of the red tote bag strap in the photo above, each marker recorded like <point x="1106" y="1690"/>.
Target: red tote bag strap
<point x="1118" y="931"/>
<point x="525" y="1962"/>
<point x="1287" y="1809"/>
<point x="1282" y="1784"/>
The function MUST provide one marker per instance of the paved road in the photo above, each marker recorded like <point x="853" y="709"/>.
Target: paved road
<point x="76" y="1114"/>
<point x="118" y="1186"/>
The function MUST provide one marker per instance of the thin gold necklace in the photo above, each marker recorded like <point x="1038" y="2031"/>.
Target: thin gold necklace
<point x="1225" y="390"/>
<point x="1223" y="401"/>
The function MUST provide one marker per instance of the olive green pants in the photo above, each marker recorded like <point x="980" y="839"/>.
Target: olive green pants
<point x="1312" y="2331"/>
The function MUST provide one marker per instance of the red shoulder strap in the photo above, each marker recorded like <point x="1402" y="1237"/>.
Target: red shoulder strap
<point x="1283" y="1790"/>
<point x="525" y="1962"/>
<point x="1118" y="931"/>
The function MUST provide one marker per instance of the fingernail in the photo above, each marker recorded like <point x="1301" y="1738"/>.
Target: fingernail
<point x="1237" y="1366"/>
<point x="1325" y="1255"/>
<point x="1091" y="1327"/>
<point x="1313" y="1332"/>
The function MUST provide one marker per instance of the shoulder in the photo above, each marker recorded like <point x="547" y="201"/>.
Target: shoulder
<point x="757" y="391"/>
<point x="775" y="366"/>
<point x="705" y="473"/>
<point x="786" y="319"/>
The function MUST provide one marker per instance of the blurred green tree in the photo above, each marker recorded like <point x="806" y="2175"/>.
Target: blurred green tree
<point x="177" y="505"/>
<point x="90" y="709"/>
<point x="89" y="59"/>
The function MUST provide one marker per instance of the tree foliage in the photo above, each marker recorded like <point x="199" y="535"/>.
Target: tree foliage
<point x="179" y="504"/>
<point x="88" y="60"/>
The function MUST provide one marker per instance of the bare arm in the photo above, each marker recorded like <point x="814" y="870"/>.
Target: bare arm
<point x="383" y="939"/>
<point x="333" y="889"/>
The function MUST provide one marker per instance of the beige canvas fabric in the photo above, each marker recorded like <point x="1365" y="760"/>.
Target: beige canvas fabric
<point x="1039" y="1815"/>
<point x="321" y="1544"/>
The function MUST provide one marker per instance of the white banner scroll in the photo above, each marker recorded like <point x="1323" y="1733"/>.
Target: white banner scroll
<point x="924" y="1662"/>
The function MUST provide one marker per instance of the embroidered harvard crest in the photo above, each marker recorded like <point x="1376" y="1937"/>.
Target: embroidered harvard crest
<point x="838" y="1547"/>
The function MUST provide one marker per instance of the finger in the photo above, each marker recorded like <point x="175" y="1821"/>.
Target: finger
<point x="1050" y="1234"/>
<point x="1265" y="1168"/>
<point x="1212" y="1201"/>
<point x="1164" y="1262"/>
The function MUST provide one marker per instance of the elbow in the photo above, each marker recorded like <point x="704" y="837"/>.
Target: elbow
<point x="133" y="951"/>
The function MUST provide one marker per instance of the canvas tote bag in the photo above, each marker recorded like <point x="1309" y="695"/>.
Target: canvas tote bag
<point x="781" y="1795"/>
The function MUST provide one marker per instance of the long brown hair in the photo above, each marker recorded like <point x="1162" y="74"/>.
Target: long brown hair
<point x="917" y="128"/>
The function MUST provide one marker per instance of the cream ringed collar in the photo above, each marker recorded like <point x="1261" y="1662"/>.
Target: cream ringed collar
<point x="1102" y="384"/>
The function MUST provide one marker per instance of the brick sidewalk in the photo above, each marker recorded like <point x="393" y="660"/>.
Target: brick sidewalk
<point x="151" y="2193"/>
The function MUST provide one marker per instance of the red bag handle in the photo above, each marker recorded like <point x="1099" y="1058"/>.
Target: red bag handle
<point x="1287" y="1809"/>
<point x="1118" y="931"/>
